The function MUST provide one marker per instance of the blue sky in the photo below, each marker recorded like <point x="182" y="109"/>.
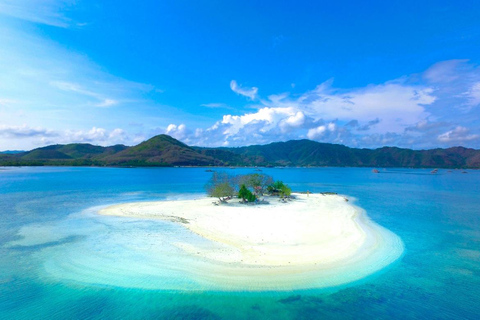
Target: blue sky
<point x="232" y="73"/>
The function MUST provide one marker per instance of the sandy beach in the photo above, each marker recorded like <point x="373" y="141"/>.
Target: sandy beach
<point x="312" y="241"/>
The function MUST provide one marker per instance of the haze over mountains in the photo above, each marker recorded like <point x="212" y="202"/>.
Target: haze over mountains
<point x="163" y="150"/>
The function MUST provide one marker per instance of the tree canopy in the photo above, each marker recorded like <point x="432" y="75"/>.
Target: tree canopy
<point x="248" y="187"/>
<point x="246" y="195"/>
<point x="220" y="186"/>
<point x="256" y="181"/>
<point x="278" y="187"/>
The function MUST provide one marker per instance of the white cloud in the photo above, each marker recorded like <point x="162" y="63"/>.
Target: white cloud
<point x="44" y="85"/>
<point x="269" y="118"/>
<point x="444" y="71"/>
<point x="316" y="132"/>
<point x="319" y="131"/>
<point x="25" y="132"/>
<point x="25" y="137"/>
<point x="216" y="105"/>
<point x="473" y="95"/>
<point x="117" y="133"/>
<point x="396" y="104"/>
<point x="106" y="103"/>
<point x="389" y="107"/>
<point x="49" y="12"/>
<point x="402" y="112"/>
<point x="294" y="121"/>
<point x="94" y="134"/>
<point x="458" y="135"/>
<point x="456" y="86"/>
<point x="101" y="101"/>
<point x="247" y="92"/>
<point x="179" y="132"/>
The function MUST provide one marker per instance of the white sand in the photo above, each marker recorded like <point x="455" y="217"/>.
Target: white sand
<point x="310" y="242"/>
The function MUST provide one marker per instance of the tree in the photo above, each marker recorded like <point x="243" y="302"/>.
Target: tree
<point x="278" y="187"/>
<point x="285" y="191"/>
<point x="243" y="192"/>
<point x="256" y="181"/>
<point x="222" y="191"/>
<point x="246" y="194"/>
<point x="220" y="186"/>
<point x="251" y="197"/>
<point x="275" y="187"/>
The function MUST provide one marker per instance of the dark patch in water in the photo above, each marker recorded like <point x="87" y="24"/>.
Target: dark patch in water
<point x="34" y="247"/>
<point x="18" y="293"/>
<point x="291" y="299"/>
<point x="191" y="312"/>
<point x="89" y="307"/>
<point x="256" y="307"/>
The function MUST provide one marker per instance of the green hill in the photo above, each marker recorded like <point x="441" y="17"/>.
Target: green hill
<point x="163" y="150"/>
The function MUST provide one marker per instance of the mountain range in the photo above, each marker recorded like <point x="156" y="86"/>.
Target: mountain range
<point x="163" y="150"/>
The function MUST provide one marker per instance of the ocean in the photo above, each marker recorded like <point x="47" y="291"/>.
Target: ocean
<point x="59" y="260"/>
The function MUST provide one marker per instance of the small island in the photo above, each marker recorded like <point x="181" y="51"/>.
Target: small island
<point x="307" y="241"/>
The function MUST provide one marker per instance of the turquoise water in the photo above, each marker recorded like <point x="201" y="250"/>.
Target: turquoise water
<point x="46" y="218"/>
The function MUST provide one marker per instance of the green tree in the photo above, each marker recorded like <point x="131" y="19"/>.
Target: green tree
<point x="220" y="186"/>
<point x="245" y="194"/>
<point x="278" y="187"/>
<point x="275" y="187"/>
<point x="256" y="181"/>
<point x="285" y="191"/>
<point x="251" y="197"/>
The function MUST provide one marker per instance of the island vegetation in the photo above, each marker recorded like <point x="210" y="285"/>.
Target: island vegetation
<point x="249" y="188"/>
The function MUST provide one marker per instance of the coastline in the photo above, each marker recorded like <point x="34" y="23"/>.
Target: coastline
<point x="314" y="241"/>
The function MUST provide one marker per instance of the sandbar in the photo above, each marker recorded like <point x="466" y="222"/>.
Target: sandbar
<point x="313" y="241"/>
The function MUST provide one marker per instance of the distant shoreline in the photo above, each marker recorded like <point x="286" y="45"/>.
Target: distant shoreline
<point x="165" y="151"/>
<point x="235" y="167"/>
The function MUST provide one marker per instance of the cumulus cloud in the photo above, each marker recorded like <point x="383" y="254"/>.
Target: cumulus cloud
<point x="316" y="114"/>
<point x="441" y="110"/>
<point x="247" y="92"/>
<point x="37" y="136"/>
<point x="320" y="131"/>
<point x="179" y="132"/>
<point x="314" y="133"/>
<point x="397" y="104"/>
<point x="458" y="135"/>
<point x="402" y="112"/>
<point x="292" y="122"/>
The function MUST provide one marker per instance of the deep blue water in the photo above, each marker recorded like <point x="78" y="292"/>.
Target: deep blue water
<point x="437" y="217"/>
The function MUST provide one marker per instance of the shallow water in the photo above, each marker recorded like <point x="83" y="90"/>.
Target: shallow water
<point x="45" y="220"/>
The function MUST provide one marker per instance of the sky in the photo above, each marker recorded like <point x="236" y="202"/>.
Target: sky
<point x="234" y="73"/>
